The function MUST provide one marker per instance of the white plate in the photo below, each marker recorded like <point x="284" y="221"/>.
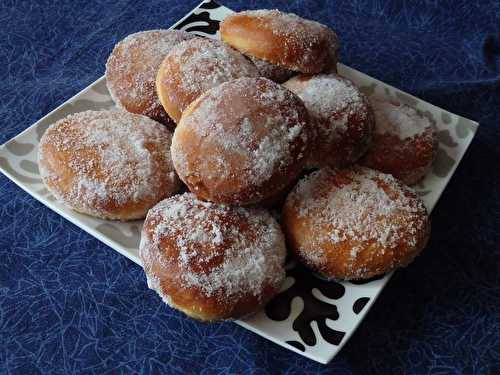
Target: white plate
<point x="311" y="317"/>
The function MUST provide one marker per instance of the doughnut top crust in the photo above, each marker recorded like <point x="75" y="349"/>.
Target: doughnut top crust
<point x="404" y="143"/>
<point x="242" y="141"/>
<point x="193" y="67"/>
<point x="110" y="164"/>
<point x="132" y="67"/>
<point x="344" y="120"/>
<point x="281" y="38"/>
<point x="212" y="261"/>
<point x="354" y="223"/>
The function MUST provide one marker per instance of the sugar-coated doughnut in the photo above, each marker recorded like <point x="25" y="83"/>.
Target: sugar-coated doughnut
<point x="354" y="223"/>
<point x="271" y="71"/>
<point x="193" y="67"/>
<point x="242" y="142"/>
<point x="108" y="164"/>
<point x="284" y="39"/>
<point x="342" y="116"/>
<point x="404" y="142"/>
<point x="131" y="71"/>
<point x="212" y="262"/>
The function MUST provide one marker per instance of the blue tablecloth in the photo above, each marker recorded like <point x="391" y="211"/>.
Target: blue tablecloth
<point x="69" y="304"/>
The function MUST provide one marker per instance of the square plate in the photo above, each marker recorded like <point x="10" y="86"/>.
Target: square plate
<point x="310" y="316"/>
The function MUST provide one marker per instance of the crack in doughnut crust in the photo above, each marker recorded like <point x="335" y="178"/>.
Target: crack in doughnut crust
<point x="108" y="164"/>
<point x="354" y="223"/>
<point x="132" y="67"/>
<point x="284" y="39"/>
<point x="404" y="143"/>
<point x="242" y="142"/>
<point x="195" y="66"/>
<point x="271" y="71"/>
<point x="341" y="115"/>
<point x="211" y="261"/>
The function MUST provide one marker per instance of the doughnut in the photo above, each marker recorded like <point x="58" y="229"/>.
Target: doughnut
<point x="342" y="116"/>
<point x="193" y="67"/>
<point x="354" y="223"/>
<point x="108" y="164"/>
<point x="284" y="39"/>
<point x="404" y="143"/>
<point x="271" y="71"/>
<point x="131" y="71"/>
<point x="242" y="142"/>
<point x="210" y="261"/>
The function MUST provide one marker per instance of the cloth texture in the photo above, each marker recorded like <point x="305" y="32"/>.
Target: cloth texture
<point x="69" y="304"/>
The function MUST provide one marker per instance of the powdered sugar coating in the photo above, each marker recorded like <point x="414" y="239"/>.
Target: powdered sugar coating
<point x="360" y="222"/>
<point x="195" y="66"/>
<point x="343" y="117"/>
<point x="288" y="40"/>
<point x="400" y="120"/>
<point x="212" y="252"/>
<point x="132" y="67"/>
<point x="242" y="141"/>
<point x="404" y="142"/>
<point x="105" y="163"/>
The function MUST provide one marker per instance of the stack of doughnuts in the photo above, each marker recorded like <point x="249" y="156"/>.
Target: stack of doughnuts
<point x="258" y="119"/>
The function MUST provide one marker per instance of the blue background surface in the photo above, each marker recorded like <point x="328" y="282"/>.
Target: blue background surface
<point x="69" y="304"/>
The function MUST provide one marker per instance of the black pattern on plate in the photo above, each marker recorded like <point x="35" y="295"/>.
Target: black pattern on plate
<point x="279" y="308"/>
<point x="297" y="345"/>
<point x="359" y="304"/>
<point x="210" y="5"/>
<point x="210" y="26"/>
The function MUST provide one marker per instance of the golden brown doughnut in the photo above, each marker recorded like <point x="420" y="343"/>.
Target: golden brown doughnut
<point x="342" y="116"/>
<point x="272" y="71"/>
<point x="131" y="71"/>
<point x="242" y="142"/>
<point x="193" y="67"/>
<point x="404" y="143"/>
<point x="284" y="39"/>
<point x="212" y="262"/>
<point x="354" y="223"/>
<point x="108" y="164"/>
